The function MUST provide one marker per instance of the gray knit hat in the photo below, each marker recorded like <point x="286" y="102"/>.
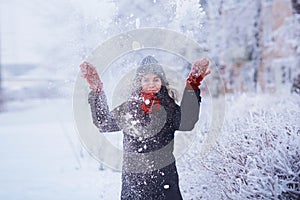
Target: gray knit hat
<point x="150" y="65"/>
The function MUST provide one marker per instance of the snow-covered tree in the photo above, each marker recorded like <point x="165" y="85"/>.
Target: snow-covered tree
<point x="248" y="41"/>
<point x="259" y="154"/>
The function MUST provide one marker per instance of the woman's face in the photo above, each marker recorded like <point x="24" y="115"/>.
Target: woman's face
<point x="151" y="83"/>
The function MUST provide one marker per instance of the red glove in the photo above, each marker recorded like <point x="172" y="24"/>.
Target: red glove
<point x="89" y="72"/>
<point x="150" y="102"/>
<point x="198" y="72"/>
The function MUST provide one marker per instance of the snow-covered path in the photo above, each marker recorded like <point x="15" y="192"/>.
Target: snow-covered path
<point x="40" y="156"/>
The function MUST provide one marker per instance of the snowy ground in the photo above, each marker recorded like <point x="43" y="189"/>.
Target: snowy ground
<point x="42" y="157"/>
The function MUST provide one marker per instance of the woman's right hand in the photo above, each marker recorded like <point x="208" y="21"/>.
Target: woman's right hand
<point x="90" y="74"/>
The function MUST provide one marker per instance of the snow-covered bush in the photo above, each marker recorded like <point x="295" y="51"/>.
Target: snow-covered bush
<point x="258" y="155"/>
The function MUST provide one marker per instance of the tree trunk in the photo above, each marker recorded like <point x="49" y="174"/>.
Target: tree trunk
<point x="296" y="6"/>
<point x="258" y="50"/>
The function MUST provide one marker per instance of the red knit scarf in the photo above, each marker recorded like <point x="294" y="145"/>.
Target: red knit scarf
<point x="150" y="102"/>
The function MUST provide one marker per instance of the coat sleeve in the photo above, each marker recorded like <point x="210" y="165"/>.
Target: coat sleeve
<point x="102" y="118"/>
<point x="189" y="109"/>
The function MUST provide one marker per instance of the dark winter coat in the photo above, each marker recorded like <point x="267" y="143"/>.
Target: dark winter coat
<point x="149" y="171"/>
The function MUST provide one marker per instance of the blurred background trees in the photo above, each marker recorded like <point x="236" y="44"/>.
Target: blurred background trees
<point x="255" y="44"/>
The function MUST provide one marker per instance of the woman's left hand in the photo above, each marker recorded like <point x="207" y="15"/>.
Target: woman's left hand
<point x="200" y="68"/>
<point x="198" y="72"/>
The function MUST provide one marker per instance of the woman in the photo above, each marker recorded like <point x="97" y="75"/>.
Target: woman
<point x="148" y="119"/>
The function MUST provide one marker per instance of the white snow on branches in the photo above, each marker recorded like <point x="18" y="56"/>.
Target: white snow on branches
<point x="258" y="154"/>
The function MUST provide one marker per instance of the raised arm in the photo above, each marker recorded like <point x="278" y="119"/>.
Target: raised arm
<point x="102" y="117"/>
<point x="105" y="120"/>
<point x="190" y="104"/>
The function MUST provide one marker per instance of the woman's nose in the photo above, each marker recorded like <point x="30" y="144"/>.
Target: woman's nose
<point x="151" y="84"/>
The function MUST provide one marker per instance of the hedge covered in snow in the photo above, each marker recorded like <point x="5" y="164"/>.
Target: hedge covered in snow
<point x="257" y="155"/>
